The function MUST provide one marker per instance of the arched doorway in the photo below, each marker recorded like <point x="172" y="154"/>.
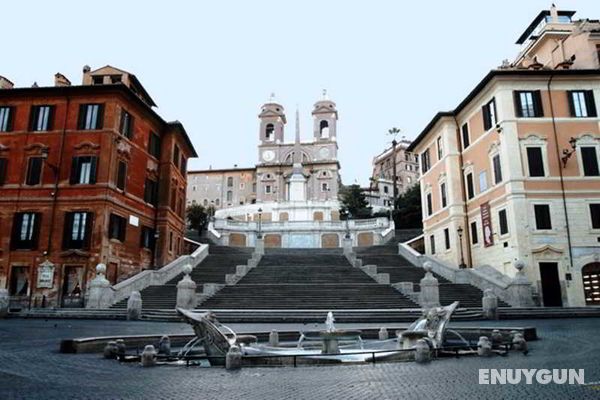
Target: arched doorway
<point x="590" y="274"/>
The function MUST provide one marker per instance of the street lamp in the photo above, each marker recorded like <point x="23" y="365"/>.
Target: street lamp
<point x="462" y="259"/>
<point x="348" y="215"/>
<point x="259" y="223"/>
<point x="394" y="132"/>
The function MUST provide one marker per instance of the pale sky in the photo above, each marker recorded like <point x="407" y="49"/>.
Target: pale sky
<point x="211" y="64"/>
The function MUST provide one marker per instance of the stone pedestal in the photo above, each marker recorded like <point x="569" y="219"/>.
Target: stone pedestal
<point x="233" y="359"/>
<point x="429" y="296"/>
<point x="259" y="247"/>
<point x="134" y="306"/>
<point x="100" y="290"/>
<point x="330" y="344"/>
<point x="164" y="346"/>
<point x="383" y="334"/>
<point x="489" y="305"/>
<point x="4" y="302"/>
<point x="519" y="291"/>
<point x="274" y="338"/>
<point x="347" y="244"/>
<point x="484" y="347"/>
<point x="186" y="290"/>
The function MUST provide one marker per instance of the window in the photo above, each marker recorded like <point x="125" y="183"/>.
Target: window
<point x="443" y="194"/>
<point x="83" y="170"/>
<point x="41" y="118"/>
<point x="117" y="227"/>
<point x="26" y="228"/>
<point x="6" y="119"/>
<point x="497" y="169"/>
<point x="34" y="171"/>
<point x="429" y="204"/>
<point x="324" y="129"/>
<point x="432" y="243"/>
<point x="595" y="215"/>
<point x="447" y="238"/>
<point x="581" y="103"/>
<point x="121" y="175"/>
<point x="173" y="200"/>
<point x="183" y="164"/>
<point x="589" y="160"/>
<point x="542" y="216"/>
<point x="154" y="145"/>
<point x="77" y="230"/>
<point x="528" y="104"/>
<point x="269" y="130"/>
<point x="324" y="187"/>
<point x="98" y="79"/>
<point x="230" y="182"/>
<point x="147" y="240"/>
<point x="3" y="170"/>
<point x="229" y="195"/>
<point x="503" y="222"/>
<point x="470" y="187"/>
<point x="170" y="241"/>
<point x="175" y="154"/>
<point x="440" y="148"/>
<point x="482" y="181"/>
<point x="489" y="115"/>
<point x="268" y="189"/>
<point x="474" y="236"/>
<point x="126" y="124"/>
<point x="386" y="190"/>
<point x="535" y="161"/>
<point x="91" y="116"/>
<point x="425" y="163"/>
<point x="465" y="136"/>
<point x="151" y="191"/>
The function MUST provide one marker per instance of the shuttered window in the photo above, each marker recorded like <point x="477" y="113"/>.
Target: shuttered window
<point x="503" y="220"/>
<point x="447" y="238"/>
<point x="126" y="124"/>
<point x="470" y="187"/>
<point x="91" y="116"/>
<point x="151" y="191"/>
<point x="77" y="230"/>
<point x="83" y="170"/>
<point x="542" y="216"/>
<point x="154" y="145"/>
<point x="26" y="228"/>
<point x="528" y="104"/>
<point x="465" y="136"/>
<point x="489" y="114"/>
<point x="432" y="243"/>
<point x="121" y="175"/>
<point x="6" y="119"/>
<point x="41" y="118"/>
<point x="497" y="169"/>
<point x="582" y="103"/>
<point x="34" y="171"/>
<point x="117" y="227"/>
<point x="474" y="236"/>
<point x="589" y="160"/>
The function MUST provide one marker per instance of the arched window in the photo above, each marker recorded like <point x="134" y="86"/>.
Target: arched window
<point x="230" y="182"/>
<point x="229" y="195"/>
<point x="269" y="131"/>
<point x="205" y="202"/>
<point x="324" y="129"/>
<point x="217" y="202"/>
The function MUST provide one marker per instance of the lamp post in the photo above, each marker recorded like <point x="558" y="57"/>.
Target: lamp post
<point x="259" y="223"/>
<point x="462" y="259"/>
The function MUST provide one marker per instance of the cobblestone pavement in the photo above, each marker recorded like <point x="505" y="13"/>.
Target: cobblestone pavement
<point x="32" y="368"/>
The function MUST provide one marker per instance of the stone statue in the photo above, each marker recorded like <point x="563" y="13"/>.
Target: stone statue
<point x="431" y="327"/>
<point x="329" y="322"/>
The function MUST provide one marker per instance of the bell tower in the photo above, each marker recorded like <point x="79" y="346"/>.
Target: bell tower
<point x="272" y="122"/>
<point x="325" y="117"/>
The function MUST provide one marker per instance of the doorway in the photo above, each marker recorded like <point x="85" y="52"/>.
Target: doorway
<point x="72" y="288"/>
<point x="551" y="293"/>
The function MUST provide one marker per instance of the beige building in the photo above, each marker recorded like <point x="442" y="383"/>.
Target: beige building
<point x="222" y="188"/>
<point x="380" y="192"/>
<point x="513" y="171"/>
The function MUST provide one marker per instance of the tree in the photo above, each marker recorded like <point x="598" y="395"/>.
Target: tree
<point x="354" y="202"/>
<point x="408" y="213"/>
<point x="197" y="217"/>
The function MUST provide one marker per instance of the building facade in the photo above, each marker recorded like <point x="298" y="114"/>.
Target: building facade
<point x="222" y="188"/>
<point x="513" y="171"/>
<point x="380" y="192"/>
<point x="88" y="174"/>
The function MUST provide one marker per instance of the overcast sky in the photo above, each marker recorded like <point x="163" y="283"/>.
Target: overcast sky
<point x="211" y="64"/>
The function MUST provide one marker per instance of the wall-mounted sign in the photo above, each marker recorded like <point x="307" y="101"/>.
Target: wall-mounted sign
<point x="486" y="224"/>
<point x="133" y="220"/>
<point x="45" y="275"/>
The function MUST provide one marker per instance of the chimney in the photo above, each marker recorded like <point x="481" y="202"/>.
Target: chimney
<point x="5" y="83"/>
<point x="554" y="14"/>
<point x="86" y="69"/>
<point x="61" y="80"/>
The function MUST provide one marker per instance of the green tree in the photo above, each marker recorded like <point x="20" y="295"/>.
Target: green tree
<point x="354" y="202"/>
<point x="408" y="213"/>
<point x="197" y="217"/>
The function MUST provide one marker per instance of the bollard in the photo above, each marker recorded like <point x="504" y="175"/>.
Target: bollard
<point x="489" y="305"/>
<point x="497" y="337"/>
<point x="121" y="348"/>
<point x="149" y="356"/>
<point x="383" y="334"/>
<point x="274" y="338"/>
<point x="233" y="359"/>
<point x="164" y="346"/>
<point x="4" y="302"/>
<point x="484" y="347"/>
<point x="519" y="343"/>
<point x="110" y="350"/>
<point x="134" y="306"/>
<point x="422" y="351"/>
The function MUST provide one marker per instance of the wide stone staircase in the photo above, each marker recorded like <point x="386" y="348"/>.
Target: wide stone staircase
<point x="307" y="279"/>
<point x="220" y="261"/>
<point x="388" y="261"/>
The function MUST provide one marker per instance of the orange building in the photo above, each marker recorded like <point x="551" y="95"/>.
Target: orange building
<point x="88" y="174"/>
<point x="513" y="171"/>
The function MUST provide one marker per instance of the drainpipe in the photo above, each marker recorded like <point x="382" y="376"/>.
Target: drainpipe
<point x="560" y="172"/>
<point x="467" y="228"/>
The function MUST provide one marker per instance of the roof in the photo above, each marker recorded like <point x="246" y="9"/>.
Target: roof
<point x="221" y="170"/>
<point x="134" y="80"/>
<point x="540" y="17"/>
<point x="85" y="89"/>
<point x="483" y="83"/>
